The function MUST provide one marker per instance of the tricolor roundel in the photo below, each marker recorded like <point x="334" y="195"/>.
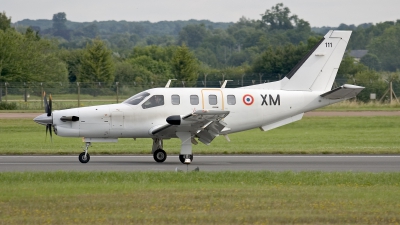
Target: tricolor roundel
<point x="248" y="99"/>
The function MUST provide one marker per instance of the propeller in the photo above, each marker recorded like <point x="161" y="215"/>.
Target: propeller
<point x="47" y="117"/>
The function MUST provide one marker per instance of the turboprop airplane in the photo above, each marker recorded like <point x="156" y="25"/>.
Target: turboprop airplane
<point x="205" y="113"/>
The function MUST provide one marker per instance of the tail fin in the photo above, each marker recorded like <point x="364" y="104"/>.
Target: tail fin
<point x="317" y="70"/>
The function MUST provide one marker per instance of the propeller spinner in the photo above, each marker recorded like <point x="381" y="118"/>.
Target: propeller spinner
<point x="46" y="118"/>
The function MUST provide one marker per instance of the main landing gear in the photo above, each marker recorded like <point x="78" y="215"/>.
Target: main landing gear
<point x="159" y="155"/>
<point x="84" y="157"/>
<point x="185" y="156"/>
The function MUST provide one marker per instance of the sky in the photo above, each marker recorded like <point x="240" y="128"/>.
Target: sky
<point x="317" y="12"/>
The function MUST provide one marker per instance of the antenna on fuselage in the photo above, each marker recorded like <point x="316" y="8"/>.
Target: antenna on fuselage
<point x="225" y="82"/>
<point x="168" y="83"/>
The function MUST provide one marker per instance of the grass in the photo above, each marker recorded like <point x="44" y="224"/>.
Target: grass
<point x="199" y="198"/>
<point x="361" y="106"/>
<point x="311" y="135"/>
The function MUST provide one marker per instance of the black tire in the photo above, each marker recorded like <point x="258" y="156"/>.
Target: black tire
<point x="160" y="155"/>
<point x="84" y="159"/>
<point x="182" y="158"/>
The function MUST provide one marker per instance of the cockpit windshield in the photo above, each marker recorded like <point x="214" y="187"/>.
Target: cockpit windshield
<point x="136" y="99"/>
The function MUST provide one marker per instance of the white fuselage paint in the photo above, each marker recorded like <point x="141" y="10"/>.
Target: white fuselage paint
<point x="133" y="121"/>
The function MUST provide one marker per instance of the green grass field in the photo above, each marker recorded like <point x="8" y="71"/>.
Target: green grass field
<point x="199" y="198"/>
<point x="311" y="135"/>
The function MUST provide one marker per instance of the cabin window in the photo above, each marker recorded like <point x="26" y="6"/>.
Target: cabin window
<point x="231" y="100"/>
<point x="212" y="99"/>
<point x="136" y="99"/>
<point x="194" y="99"/>
<point x="154" y="101"/>
<point x="175" y="99"/>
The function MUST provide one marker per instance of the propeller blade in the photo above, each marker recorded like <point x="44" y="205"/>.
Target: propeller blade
<point x="51" y="134"/>
<point x="48" y="128"/>
<point x="46" y="104"/>
<point x="50" y="106"/>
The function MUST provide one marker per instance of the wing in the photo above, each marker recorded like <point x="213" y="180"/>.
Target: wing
<point x="203" y="124"/>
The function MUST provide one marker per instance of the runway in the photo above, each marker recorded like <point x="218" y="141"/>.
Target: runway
<point x="355" y="163"/>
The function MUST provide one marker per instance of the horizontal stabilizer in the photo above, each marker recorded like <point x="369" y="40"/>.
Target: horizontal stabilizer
<point x="343" y="92"/>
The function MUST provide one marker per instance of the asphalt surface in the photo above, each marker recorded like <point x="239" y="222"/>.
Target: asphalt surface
<point x="359" y="163"/>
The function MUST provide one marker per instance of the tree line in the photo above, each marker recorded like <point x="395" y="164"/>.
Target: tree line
<point x="141" y="52"/>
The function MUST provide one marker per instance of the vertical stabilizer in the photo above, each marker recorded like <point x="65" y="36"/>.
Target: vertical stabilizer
<point x="317" y="70"/>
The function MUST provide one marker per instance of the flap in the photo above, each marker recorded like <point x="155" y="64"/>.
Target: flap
<point x="204" y="124"/>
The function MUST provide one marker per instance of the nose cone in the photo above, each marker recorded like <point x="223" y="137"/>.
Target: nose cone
<point x="44" y="119"/>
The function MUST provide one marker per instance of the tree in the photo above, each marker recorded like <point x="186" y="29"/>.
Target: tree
<point x="4" y="21"/>
<point x="349" y="68"/>
<point x="59" y="21"/>
<point x="59" y="26"/>
<point x="207" y="57"/>
<point x="124" y="73"/>
<point x="24" y="58"/>
<point x="387" y="47"/>
<point x="185" y="65"/>
<point x="372" y="82"/>
<point x="278" y="61"/>
<point x="161" y="70"/>
<point x="72" y="59"/>
<point x="97" y="64"/>
<point x="155" y="52"/>
<point x="31" y="34"/>
<point x="192" y="35"/>
<point x="279" y="18"/>
<point x="90" y="31"/>
<point x="372" y="61"/>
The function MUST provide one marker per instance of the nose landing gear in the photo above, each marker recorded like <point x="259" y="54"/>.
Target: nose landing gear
<point x="84" y="157"/>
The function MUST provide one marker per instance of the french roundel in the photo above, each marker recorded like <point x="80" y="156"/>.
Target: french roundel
<point x="248" y="99"/>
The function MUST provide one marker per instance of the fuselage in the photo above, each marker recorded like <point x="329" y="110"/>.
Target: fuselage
<point x="135" y="118"/>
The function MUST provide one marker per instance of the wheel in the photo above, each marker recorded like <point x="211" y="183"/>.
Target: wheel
<point x="83" y="158"/>
<point x="182" y="158"/>
<point x="160" y="155"/>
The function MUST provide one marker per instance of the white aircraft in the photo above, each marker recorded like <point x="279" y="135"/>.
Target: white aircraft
<point x="205" y="113"/>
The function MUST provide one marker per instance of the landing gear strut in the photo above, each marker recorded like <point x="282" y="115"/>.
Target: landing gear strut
<point x="84" y="157"/>
<point x="186" y="155"/>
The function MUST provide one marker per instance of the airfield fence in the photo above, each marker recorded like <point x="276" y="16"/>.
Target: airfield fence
<point x="28" y="96"/>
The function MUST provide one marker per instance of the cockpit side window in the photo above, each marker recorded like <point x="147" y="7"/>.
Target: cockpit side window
<point x="136" y="99"/>
<point x="154" y="101"/>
